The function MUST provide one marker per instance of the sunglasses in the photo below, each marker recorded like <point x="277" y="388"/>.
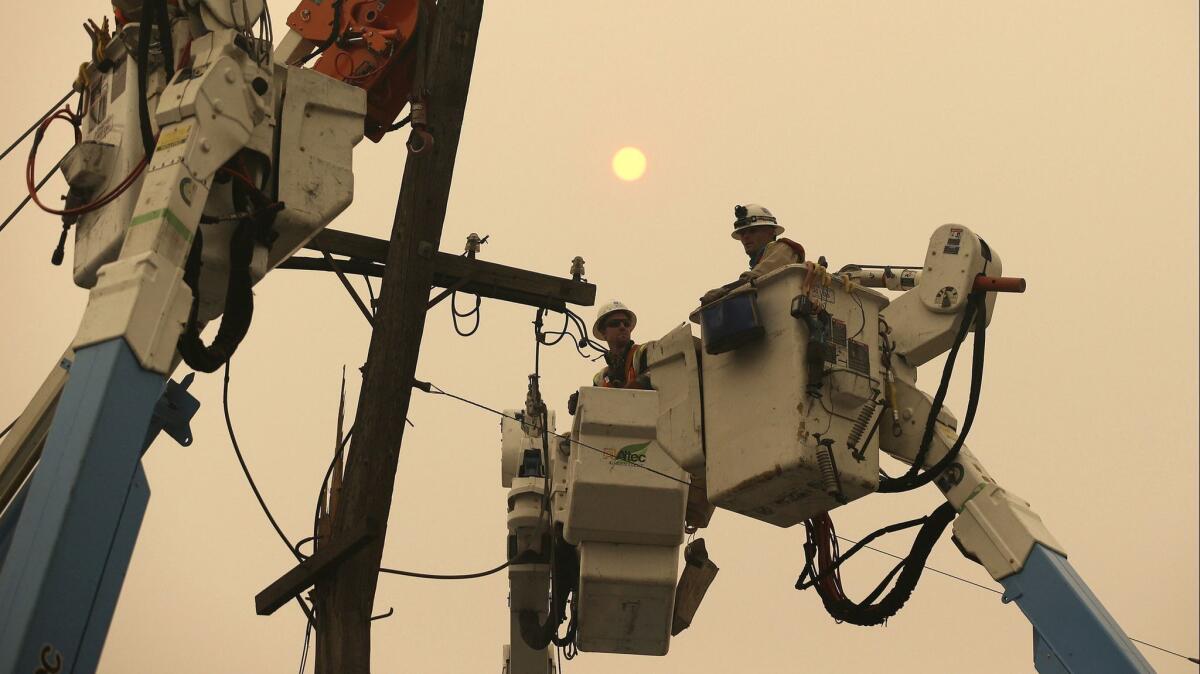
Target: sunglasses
<point x="617" y="323"/>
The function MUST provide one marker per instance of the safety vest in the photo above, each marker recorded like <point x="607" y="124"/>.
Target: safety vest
<point x="631" y="358"/>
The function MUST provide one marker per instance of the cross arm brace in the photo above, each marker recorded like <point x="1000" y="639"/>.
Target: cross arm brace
<point x="476" y="277"/>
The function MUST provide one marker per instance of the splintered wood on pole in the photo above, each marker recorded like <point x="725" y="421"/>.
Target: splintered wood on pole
<point x="344" y="599"/>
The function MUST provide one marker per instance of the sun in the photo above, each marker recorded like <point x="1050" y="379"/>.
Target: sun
<point x="629" y="163"/>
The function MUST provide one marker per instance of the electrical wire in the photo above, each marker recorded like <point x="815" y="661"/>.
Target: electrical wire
<point x="455" y="314"/>
<point x="30" y="170"/>
<point x="9" y="427"/>
<point x="31" y="129"/>
<point x="25" y="201"/>
<point x="995" y="591"/>
<point x="254" y="487"/>
<point x="304" y="651"/>
<point x="237" y="450"/>
<point x="442" y="576"/>
<point x="325" y="481"/>
<point x="580" y="341"/>
<point x="437" y="390"/>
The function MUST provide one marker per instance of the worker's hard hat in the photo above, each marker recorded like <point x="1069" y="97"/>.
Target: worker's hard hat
<point x="611" y="308"/>
<point x="753" y="215"/>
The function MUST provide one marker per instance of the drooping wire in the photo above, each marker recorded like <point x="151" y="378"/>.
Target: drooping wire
<point x="254" y="487"/>
<point x="444" y="576"/>
<point x="412" y="574"/>
<point x="572" y="322"/>
<point x="75" y="120"/>
<point x="237" y="450"/>
<point x="455" y="314"/>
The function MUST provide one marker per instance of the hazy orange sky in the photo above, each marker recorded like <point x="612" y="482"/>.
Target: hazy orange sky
<point x="1064" y="133"/>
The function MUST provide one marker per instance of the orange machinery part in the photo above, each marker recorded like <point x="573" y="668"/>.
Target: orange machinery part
<point x="374" y="51"/>
<point x="1000" y="284"/>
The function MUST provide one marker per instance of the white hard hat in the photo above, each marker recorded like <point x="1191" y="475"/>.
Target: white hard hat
<point x="753" y="215"/>
<point x="610" y="308"/>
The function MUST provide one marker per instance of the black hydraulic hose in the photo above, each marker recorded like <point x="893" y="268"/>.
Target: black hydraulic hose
<point x="866" y="613"/>
<point x="976" y="311"/>
<point x="564" y="580"/>
<point x="165" y="39"/>
<point x="239" y="298"/>
<point x="143" y="66"/>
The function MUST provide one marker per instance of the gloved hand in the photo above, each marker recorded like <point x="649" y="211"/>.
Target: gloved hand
<point x="713" y="295"/>
<point x="573" y="403"/>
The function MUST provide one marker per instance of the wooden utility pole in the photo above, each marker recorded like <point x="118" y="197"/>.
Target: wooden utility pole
<point x="344" y="599"/>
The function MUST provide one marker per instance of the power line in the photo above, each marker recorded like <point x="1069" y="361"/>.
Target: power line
<point x="437" y="390"/>
<point x="440" y="576"/>
<point x="246" y="471"/>
<point x="995" y="591"/>
<point x="308" y="614"/>
<point x="31" y="129"/>
<point x="304" y="652"/>
<point x="928" y="568"/>
<point x="25" y="201"/>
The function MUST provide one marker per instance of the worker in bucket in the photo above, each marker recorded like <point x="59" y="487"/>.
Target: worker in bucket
<point x="758" y="231"/>
<point x="625" y="361"/>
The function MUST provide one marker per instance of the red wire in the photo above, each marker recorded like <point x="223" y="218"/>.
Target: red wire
<point x="30" y="171"/>
<point x="240" y="176"/>
<point x="832" y="583"/>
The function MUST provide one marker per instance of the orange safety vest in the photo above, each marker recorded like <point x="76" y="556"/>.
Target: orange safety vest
<point x="631" y="373"/>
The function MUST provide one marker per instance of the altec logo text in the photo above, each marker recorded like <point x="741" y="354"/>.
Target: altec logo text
<point x="632" y="453"/>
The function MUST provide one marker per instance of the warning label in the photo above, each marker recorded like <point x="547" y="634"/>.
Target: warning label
<point x="174" y="136"/>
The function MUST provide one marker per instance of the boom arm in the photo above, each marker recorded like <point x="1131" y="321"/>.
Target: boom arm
<point x="1072" y="631"/>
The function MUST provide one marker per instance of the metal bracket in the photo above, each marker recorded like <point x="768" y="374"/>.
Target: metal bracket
<point x="174" y="411"/>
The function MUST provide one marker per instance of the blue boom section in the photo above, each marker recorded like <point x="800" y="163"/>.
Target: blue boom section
<point x="69" y="547"/>
<point x="1072" y="631"/>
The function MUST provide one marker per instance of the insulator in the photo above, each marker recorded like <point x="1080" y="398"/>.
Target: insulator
<point x="829" y="480"/>
<point x="861" y="424"/>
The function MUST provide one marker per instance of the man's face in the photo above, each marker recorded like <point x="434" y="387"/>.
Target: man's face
<point x="617" y="329"/>
<point x="754" y="238"/>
